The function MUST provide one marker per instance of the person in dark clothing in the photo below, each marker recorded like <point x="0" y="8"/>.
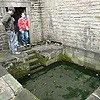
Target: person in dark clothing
<point x="8" y="22"/>
<point x="16" y="32"/>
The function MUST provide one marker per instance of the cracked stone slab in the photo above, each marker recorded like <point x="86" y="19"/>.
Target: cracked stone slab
<point x="6" y="93"/>
<point x="13" y="83"/>
<point x="47" y="47"/>
<point x="95" y="95"/>
<point x="3" y="71"/>
<point x="97" y="92"/>
<point x="25" y="95"/>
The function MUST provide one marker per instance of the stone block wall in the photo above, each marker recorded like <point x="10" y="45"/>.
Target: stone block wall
<point x="72" y="22"/>
<point x="35" y="11"/>
<point x="3" y="38"/>
<point x="82" y="57"/>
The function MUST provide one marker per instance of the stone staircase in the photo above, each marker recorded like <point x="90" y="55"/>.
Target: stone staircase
<point x="34" y="64"/>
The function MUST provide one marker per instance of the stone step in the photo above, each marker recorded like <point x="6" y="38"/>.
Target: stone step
<point x="35" y="66"/>
<point x="36" y="70"/>
<point x="2" y="34"/>
<point x="30" y="51"/>
<point x="1" y="41"/>
<point x="33" y="61"/>
<point x="22" y="48"/>
<point x="31" y="56"/>
<point x="4" y="46"/>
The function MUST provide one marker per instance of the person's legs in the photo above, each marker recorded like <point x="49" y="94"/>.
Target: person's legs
<point x="8" y="39"/>
<point x="26" y="37"/>
<point x="11" y="41"/>
<point x="16" y="39"/>
<point x="15" y="42"/>
<point x="22" y="37"/>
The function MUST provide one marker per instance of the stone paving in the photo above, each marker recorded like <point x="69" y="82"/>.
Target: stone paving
<point x="11" y="89"/>
<point x="95" y="95"/>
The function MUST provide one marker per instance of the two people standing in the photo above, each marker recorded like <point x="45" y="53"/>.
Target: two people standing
<point x="23" y="28"/>
<point x="8" y="23"/>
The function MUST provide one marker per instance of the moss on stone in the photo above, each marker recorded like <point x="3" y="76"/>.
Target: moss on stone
<point x="60" y="57"/>
<point x="64" y="58"/>
<point x="18" y="72"/>
<point x="17" y="68"/>
<point x="42" y="60"/>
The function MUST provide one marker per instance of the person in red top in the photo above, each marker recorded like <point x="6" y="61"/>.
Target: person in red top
<point x="23" y="28"/>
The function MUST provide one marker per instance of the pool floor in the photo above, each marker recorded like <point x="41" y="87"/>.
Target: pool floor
<point x="62" y="81"/>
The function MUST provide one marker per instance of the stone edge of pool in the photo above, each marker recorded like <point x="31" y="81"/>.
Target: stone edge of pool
<point x="11" y="89"/>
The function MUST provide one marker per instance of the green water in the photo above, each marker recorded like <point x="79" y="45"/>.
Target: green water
<point x="62" y="81"/>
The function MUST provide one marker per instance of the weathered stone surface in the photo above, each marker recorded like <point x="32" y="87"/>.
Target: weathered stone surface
<point x="82" y="57"/>
<point x="6" y="93"/>
<point x="3" y="40"/>
<point x="47" y="47"/>
<point x="1" y="27"/>
<point x="2" y="71"/>
<point x="95" y="95"/>
<point x="13" y="83"/>
<point x="11" y="89"/>
<point x="97" y="92"/>
<point x="6" y="96"/>
<point x="48" y="54"/>
<point x="92" y="98"/>
<point x="17" y="65"/>
<point x="25" y="95"/>
<point x="72" y="23"/>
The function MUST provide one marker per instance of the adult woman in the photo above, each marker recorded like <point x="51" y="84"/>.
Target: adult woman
<point x="23" y="28"/>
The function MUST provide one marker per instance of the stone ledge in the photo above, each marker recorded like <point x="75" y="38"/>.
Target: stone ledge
<point x="6" y="93"/>
<point x="11" y="89"/>
<point x="16" y="65"/>
<point x="13" y="83"/>
<point x="2" y="71"/>
<point x="95" y="95"/>
<point x="25" y="95"/>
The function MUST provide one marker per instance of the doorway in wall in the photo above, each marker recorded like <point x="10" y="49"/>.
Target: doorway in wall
<point x="17" y="15"/>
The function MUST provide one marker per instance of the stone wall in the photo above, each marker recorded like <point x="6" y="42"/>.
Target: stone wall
<point x="35" y="21"/>
<point x="72" y="22"/>
<point x="48" y="54"/>
<point x="3" y="38"/>
<point x="82" y="57"/>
